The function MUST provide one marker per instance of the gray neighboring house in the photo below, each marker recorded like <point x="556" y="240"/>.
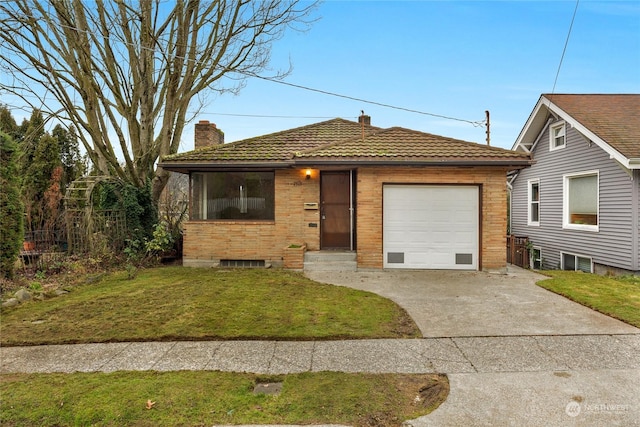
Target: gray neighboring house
<point x="579" y="203"/>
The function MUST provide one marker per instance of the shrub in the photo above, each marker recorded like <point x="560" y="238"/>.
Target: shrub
<point x="162" y="240"/>
<point x="11" y="209"/>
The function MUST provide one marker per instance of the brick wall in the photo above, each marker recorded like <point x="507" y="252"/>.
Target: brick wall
<point x="206" y="134"/>
<point x="493" y="202"/>
<point x="207" y="242"/>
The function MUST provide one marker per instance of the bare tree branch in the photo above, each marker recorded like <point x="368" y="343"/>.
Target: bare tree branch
<point x="125" y="72"/>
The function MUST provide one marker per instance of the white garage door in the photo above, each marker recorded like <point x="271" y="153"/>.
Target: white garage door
<point x="430" y="226"/>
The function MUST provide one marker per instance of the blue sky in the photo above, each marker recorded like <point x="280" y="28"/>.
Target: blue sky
<point x="451" y="58"/>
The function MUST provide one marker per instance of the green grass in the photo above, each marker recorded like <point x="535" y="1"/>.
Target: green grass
<point x="617" y="297"/>
<point x="176" y="303"/>
<point x="207" y="398"/>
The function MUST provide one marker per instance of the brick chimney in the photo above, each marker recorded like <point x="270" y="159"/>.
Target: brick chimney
<point x="207" y="134"/>
<point x="364" y="119"/>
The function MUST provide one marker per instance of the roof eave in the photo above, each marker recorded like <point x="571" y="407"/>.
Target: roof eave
<point x="534" y="125"/>
<point x="633" y="163"/>
<point x="403" y="162"/>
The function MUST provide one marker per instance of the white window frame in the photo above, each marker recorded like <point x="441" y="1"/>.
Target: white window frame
<point x="552" y="137"/>
<point x="565" y="201"/>
<point x="530" y="202"/>
<point x="576" y="256"/>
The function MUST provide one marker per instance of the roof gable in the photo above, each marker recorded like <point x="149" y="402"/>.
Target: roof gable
<point x="611" y="121"/>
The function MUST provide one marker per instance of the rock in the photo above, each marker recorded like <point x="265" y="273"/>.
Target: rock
<point x="22" y="295"/>
<point x="10" y="302"/>
<point x="95" y="278"/>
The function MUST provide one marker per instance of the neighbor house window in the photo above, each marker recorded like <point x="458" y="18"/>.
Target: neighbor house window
<point x="534" y="202"/>
<point x="557" y="136"/>
<point x="232" y="195"/>
<point x="576" y="263"/>
<point x="581" y="201"/>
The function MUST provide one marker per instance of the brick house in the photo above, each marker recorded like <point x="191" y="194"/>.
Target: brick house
<point x="395" y="198"/>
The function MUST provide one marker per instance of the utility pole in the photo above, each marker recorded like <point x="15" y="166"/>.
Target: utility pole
<point x="488" y="128"/>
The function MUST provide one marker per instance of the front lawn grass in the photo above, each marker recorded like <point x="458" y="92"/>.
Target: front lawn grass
<point x="617" y="297"/>
<point x="177" y="303"/>
<point x="208" y="398"/>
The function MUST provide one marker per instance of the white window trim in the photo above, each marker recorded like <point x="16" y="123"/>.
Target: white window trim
<point x="565" y="201"/>
<point x="552" y="146"/>
<point x="529" y="202"/>
<point x="562" y="254"/>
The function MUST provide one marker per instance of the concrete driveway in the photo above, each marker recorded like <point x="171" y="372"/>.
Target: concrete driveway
<point x="523" y="332"/>
<point x="478" y="304"/>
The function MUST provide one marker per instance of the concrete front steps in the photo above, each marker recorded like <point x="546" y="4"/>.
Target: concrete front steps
<point x="330" y="261"/>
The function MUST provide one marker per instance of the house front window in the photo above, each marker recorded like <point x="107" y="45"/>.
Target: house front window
<point x="232" y="195"/>
<point x="581" y="201"/>
<point x="557" y="136"/>
<point x="534" y="203"/>
<point x="573" y="262"/>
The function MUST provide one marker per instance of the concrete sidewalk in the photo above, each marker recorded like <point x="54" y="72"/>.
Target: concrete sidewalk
<point x="433" y="355"/>
<point x="518" y="380"/>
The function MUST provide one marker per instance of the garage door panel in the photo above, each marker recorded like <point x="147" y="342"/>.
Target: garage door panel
<point x="464" y="236"/>
<point x="440" y="238"/>
<point x="431" y="227"/>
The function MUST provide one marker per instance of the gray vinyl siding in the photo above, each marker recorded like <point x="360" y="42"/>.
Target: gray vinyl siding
<point x="636" y="217"/>
<point x="616" y="242"/>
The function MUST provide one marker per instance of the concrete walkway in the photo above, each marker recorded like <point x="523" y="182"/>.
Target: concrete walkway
<point x="433" y="355"/>
<point x="549" y="362"/>
<point x="520" y="380"/>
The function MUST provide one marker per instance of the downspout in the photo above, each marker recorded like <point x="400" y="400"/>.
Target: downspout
<point x="509" y="207"/>
<point x="351" y="210"/>
<point x="635" y="222"/>
<point x="205" y="198"/>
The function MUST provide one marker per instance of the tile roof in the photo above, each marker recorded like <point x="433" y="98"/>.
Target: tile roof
<point x="279" y="146"/>
<point x="614" y="118"/>
<point x="406" y="145"/>
<point x="343" y="141"/>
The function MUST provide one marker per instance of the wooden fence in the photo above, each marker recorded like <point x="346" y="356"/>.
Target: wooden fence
<point x="517" y="252"/>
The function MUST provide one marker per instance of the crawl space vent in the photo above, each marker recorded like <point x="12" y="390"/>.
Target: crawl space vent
<point x="242" y="263"/>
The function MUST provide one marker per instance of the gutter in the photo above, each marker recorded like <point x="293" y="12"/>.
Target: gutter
<point x="517" y="163"/>
<point x="185" y="167"/>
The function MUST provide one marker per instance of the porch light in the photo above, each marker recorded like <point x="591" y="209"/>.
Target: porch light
<point x="308" y="173"/>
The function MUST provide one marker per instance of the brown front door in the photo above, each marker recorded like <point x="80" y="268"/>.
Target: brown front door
<point x="335" y="214"/>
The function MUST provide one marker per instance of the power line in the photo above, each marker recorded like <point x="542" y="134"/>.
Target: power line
<point x="566" y="43"/>
<point x="474" y="123"/>
<point x="302" y="87"/>
<point x="266" y="116"/>
<point x="210" y="113"/>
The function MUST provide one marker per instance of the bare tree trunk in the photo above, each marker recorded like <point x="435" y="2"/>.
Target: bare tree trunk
<point x="125" y="72"/>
